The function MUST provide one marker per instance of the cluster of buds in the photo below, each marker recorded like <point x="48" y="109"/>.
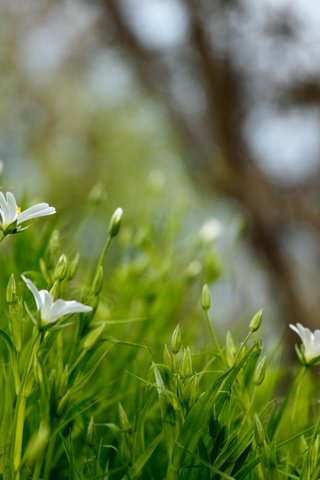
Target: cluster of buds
<point x="179" y="362"/>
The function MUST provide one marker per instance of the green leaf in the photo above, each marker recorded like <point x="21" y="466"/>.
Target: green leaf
<point x="170" y="421"/>
<point x="136" y="469"/>
<point x="242" y="474"/>
<point x="7" y="341"/>
<point x="197" y="420"/>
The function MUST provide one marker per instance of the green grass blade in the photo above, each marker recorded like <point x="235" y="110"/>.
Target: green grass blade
<point x="136" y="469"/>
<point x="197" y="420"/>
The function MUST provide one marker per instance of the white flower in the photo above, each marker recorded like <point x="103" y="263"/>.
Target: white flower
<point x="51" y="311"/>
<point x="210" y="230"/>
<point x="11" y="216"/>
<point x="309" y="352"/>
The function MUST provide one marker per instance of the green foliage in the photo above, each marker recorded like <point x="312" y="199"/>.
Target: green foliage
<point x="124" y="391"/>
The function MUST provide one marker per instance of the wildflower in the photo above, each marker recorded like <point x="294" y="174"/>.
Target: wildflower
<point x="51" y="311"/>
<point x="210" y="230"/>
<point x="11" y="215"/>
<point x="309" y="352"/>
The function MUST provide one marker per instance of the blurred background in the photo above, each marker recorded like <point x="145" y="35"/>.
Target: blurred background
<point x="204" y="109"/>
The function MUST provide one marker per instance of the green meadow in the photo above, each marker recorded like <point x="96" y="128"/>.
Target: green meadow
<point x="112" y="366"/>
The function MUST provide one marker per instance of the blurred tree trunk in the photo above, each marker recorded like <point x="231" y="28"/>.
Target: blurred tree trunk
<point x="218" y="154"/>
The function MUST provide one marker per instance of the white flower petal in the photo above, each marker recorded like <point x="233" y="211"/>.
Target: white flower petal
<point x="310" y="341"/>
<point x="4" y="209"/>
<point x="305" y="334"/>
<point x="38" y="210"/>
<point x="210" y="230"/>
<point x="62" y="307"/>
<point x="317" y="337"/>
<point x="34" y="291"/>
<point x="294" y="328"/>
<point x="12" y="206"/>
<point x="47" y="302"/>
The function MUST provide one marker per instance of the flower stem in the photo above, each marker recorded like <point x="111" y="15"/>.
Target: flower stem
<point x="76" y="363"/>
<point x="299" y="381"/>
<point x="49" y="455"/>
<point x="243" y="344"/>
<point x="60" y="354"/>
<point x="214" y="336"/>
<point x="102" y="255"/>
<point x="37" y="469"/>
<point x="20" y="412"/>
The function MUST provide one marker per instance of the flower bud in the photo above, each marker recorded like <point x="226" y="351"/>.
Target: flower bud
<point x="230" y="348"/>
<point x="176" y="340"/>
<point x="55" y="290"/>
<point x="259" y="431"/>
<point x="97" y="194"/>
<point x="167" y="357"/>
<point x="304" y="446"/>
<point x="91" y="432"/>
<point x="64" y="403"/>
<point x="205" y="298"/>
<point x="124" y="422"/>
<point x="193" y="269"/>
<point x="186" y="364"/>
<point x="115" y="222"/>
<point x="61" y="268"/>
<point x="38" y="443"/>
<point x="11" y="292"/>
<point x="15" y="325"/>
<point x="53" y="248"/>
<point x="194" y="389"/>
<point x="114" y="428"/>
<point x="260" y="371"/>
<point x="73" y="265"/>
<point x="10" y="229"/>
<point x="14" y="314"/>
<point x="93" y="337"/>
<point x="37" y="370"/>
<point x="256" y="321"/>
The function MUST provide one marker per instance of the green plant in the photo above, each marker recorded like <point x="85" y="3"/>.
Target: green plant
<point x="132" y="381"/>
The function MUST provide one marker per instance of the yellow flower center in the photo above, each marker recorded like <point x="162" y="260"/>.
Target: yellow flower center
<point x="18" y="210"/>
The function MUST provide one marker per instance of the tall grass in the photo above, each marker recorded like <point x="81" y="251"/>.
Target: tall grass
<point x="141" y="387"/>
